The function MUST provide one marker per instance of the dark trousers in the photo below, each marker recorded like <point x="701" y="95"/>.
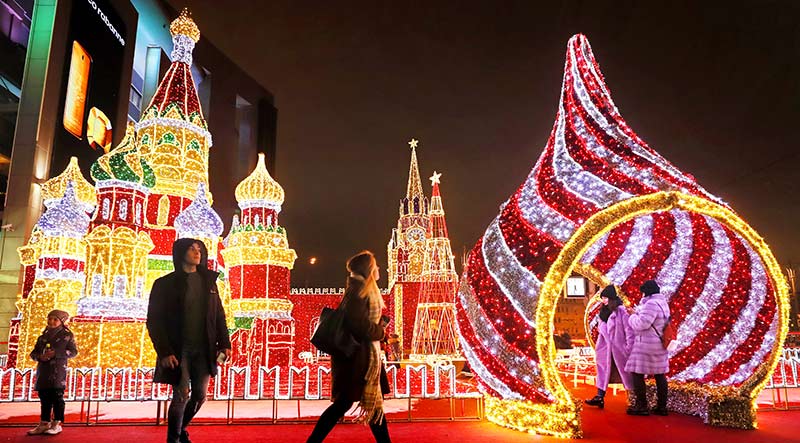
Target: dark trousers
<point x="52" y="400"/>
<point x="336" y="411"/>
<point x="640" y="391"/>
<point x="184" y="406"/>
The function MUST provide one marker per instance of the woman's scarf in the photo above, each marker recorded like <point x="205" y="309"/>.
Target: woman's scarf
<point x="370" y="408"/>
<point x="50" y="334"/>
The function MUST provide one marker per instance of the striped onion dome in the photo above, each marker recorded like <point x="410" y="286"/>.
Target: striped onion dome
<point x="601" y="202"/>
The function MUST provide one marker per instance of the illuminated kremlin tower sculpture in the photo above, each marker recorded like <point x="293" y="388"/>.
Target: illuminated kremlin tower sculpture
<point x="406" y="252"/>
<point x="259" y="261"/>
<point x="407" y="245"/>
<point x="435" y="337"/>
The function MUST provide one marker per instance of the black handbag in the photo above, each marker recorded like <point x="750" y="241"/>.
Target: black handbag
<point x="331" y="336"/>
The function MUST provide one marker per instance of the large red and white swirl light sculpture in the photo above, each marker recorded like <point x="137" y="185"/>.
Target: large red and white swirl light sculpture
<point x="601" y="202"/>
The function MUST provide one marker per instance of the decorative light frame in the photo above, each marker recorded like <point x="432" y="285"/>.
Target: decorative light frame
<point x="562" y="417"/>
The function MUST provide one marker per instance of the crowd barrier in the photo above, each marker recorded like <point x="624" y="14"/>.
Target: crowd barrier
<point x="93" y="386"/>
<point x="302" y="385"/>
<point x="784" y="387"/>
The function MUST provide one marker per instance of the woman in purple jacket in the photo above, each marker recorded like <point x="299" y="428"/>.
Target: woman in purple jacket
<point x="613" y="346"/>
<point x="648" y="355"/>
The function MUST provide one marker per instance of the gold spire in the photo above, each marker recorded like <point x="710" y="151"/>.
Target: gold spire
<point x="184" y="25"/>
<point x="259" y="185"/>
<point x="414" y="182"/>
<point x="53" y="189"/>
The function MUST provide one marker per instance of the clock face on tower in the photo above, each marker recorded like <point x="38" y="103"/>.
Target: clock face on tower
<point x="415" y="235"/>
<point x="576" y="287"/>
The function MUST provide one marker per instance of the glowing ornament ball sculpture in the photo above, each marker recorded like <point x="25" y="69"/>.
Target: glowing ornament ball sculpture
<point x="601" y="202"/>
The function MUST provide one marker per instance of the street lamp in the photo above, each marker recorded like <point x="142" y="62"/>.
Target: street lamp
<point x="311" y="261"/>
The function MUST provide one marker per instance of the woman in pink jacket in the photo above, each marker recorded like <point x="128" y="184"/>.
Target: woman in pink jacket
<point x="648" y="355"/>
<point x="613" y="346"/>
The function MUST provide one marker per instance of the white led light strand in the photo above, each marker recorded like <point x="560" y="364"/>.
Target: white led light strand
<point x="102" y="185"/>
<point x="490" y="338"/>
<point x="182" y="49"/>
<point x="741" y="328"/>
<point x="63" y="274"/>
<point x="520" y="286"/>
<point x="635" y="249"/>
<point x="260" y="203"/>
<point x="539" y="214"/>
<point x="574" y="177"/>
<point x="720" y="268"/>
<point x="486" y="375"/>
<point x="594" y="249"/>
<point x="674" y="269"/>
<point x="199" y="219"/>
<point x="67" y="218"/>
<point x="746" y="370"/>
<point x="111" y="307"/>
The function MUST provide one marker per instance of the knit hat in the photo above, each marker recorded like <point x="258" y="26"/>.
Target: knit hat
<point x="59" y="314"/>
<point x="610" y="292"/>
<point x="650" y="287"/>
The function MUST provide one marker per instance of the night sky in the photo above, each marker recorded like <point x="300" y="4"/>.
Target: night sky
<point x="714" y="88"/>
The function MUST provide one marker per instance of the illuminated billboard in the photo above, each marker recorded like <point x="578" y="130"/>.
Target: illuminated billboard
<point x="78" y="80"/>
<point x="91" y="83"/>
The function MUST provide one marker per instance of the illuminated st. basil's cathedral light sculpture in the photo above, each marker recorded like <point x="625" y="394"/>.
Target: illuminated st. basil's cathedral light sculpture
<point x="96" y="250"/>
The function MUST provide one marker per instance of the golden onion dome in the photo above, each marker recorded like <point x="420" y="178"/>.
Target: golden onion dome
<point x="124" y="163"/>
<point x="184" y="25"/>
<point x="53" y="189"/>
<point x="260" y="189"/>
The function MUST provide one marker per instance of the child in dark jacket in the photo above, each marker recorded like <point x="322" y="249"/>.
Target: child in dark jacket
<point x="52" y="350"/>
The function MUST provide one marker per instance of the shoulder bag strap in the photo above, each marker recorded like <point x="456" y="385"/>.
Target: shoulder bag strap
<point x="654" y="326"/>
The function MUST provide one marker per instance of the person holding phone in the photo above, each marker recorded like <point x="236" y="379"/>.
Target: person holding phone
<point x="361" y="377"/>
<point x="614" y="344"/>
<point x="52" y="350"/>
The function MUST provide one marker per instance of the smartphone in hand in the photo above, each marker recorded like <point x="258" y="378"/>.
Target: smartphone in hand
<point x="384" y="320"/>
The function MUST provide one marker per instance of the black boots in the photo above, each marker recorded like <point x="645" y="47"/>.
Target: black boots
<point x="637" y="411"/>
<point x="597" y="400"/>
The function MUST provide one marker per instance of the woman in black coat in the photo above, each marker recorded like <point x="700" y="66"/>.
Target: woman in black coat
<point x="351" y="378"/>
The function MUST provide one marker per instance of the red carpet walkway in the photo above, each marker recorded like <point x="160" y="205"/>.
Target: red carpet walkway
<point x="608" y="425"/>
<point x="775" y="427"/>
<point x="611" y="425"/>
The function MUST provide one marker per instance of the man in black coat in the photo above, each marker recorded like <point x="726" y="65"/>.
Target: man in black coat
<point x="186" y="322"/>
